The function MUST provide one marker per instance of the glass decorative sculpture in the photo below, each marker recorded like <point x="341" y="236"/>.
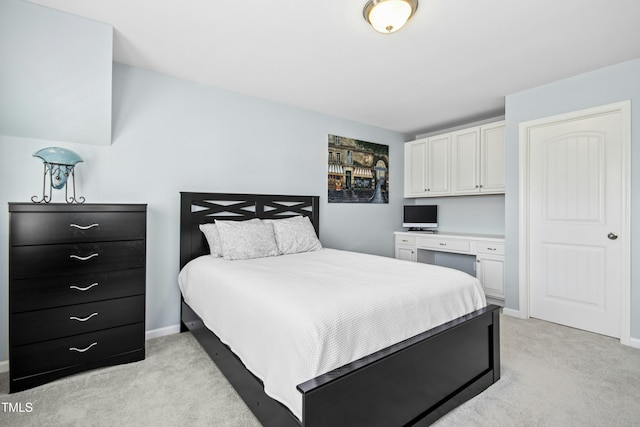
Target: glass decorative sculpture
<point x="59" y="164"/>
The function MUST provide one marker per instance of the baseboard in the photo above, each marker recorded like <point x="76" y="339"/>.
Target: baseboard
<point x="161" y="332"/>
<point x="513" y="313"/>
<point x="634" y="342"/>
<point x="4" y="366"/>
<point x="495" y="301"/>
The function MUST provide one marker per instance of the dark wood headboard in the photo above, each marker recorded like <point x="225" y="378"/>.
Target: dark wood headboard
<point x="202" y="208"/>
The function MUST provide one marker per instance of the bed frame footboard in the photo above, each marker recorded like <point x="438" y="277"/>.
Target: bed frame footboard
<point x="414" y="382"/>
<point x="411" y="383"/>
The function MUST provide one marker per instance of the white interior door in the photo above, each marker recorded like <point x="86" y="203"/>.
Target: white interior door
<point x="577" y="196"/>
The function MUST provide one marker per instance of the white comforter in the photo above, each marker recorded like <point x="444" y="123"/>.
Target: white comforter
<point x="291" y="318"/>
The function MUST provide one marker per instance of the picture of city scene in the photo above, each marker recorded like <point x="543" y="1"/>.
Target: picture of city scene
<point x="358" y="171"/>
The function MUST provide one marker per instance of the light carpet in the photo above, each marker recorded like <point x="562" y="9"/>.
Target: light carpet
<point x="551" y="376"/>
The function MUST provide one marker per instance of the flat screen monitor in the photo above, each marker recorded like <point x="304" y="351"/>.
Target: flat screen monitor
<point x="420" y="217"/>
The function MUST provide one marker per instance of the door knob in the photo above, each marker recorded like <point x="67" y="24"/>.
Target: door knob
<point x="612" y="236"/>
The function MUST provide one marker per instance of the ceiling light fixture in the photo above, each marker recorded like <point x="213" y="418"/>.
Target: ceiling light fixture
<point x="388" y="16"/>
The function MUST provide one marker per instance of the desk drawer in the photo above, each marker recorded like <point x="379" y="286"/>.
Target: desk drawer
<point x="41" y="325"/>
<point x="490" y="248"/>
<point x="49" y="292"/>
<point x="62" y="260"/>
<point x="36" y="228"/>
<point x="406" y="240"/>
<point x="67" y="352"/>
<point x="445" y="245"/>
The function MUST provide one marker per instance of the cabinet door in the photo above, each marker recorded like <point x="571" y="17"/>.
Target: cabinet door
<point x="492" y="158"/>
<point x="438" y="165"/>
<point x="490" y="272"/>
<point x="465" y="161"/>
<point x="415" y="161"/>
<point x="407" y="253"/>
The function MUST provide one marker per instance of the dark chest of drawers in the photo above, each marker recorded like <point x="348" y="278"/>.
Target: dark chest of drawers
<point x="76" y="289"/>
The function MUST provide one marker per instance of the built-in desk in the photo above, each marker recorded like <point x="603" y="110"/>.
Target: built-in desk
<point x="487" y="249"/>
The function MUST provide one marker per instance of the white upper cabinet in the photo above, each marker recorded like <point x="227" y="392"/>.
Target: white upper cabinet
<point x="427" y="164"/>
<point x="438" y="165"/>
<point x="492" y="158"/>
<point x="464" y="162"/>
<point x="415" y="168"/>
<point x="478" y="160"/>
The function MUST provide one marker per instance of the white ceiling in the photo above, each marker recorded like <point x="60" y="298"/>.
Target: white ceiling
<point x="453" y="63"/>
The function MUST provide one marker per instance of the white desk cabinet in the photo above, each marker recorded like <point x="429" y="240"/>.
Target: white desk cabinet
<point x="406" y="248"/>
<point x="487" y="249"/>
<point x="490" y="267"/>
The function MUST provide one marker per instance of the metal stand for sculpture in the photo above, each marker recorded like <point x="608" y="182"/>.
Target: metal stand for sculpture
<point x="59" y="164"/>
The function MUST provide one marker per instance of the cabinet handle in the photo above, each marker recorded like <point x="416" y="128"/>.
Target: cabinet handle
<point x="84" y="227"/>
<point x="83" y="319"/>
<point x="442" y="244"/>
<point x="83" y="289"/>
<point x="82" y="258"/>
<point x="82" y="350"/>
<point x="491" y="249"/>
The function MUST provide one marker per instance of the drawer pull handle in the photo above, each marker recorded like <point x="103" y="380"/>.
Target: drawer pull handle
<point x="82" y="350"/>
<point x="83" y="289"/>
<point x="491" y="249"/>
<point x="82" y="258"/>
<point x="84" y="227"/>
<point x="443" y="244"/>
<point x="82" y="319"/>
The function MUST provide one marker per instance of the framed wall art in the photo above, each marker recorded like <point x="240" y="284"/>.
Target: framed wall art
<point x="358" y="171"/>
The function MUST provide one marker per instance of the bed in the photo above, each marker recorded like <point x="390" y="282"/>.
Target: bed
<point x="411" y="382"/>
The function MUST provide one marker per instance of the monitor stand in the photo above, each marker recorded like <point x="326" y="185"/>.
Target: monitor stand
<point x="423" y="230"/>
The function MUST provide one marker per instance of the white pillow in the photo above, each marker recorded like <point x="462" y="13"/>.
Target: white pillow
<point x="210" y="232"/>
<point x="295" y="234"/>
<point x="246" y="239"/>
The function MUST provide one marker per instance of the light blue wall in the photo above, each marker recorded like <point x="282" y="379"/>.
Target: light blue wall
<point x="468" y="214"/>
<point x="55" y="74"/>
<point x="172" y="135"/>
<point x="608" y="85"/>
